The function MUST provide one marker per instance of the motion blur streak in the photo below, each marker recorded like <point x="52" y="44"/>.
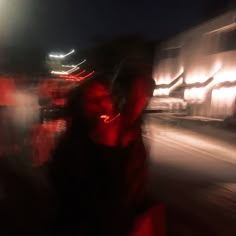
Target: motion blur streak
<point x="65" y="72"/>
<point x="62" y="55"/>
<point x="194" y="152"/>
<point x="88" y="75"/>
<point x="69" y="66"/>
<point x="195" y="174"/>
<point x="108" y="119"/>
<point x="73" y="66"/>
<point x="164" y="81"/>
<point x="82" y="72"/>
<point x="82" y="62"/>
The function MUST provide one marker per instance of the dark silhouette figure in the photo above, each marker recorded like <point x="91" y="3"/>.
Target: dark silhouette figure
<point x="98" y="168"/>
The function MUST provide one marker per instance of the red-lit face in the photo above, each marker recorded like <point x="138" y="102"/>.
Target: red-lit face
<point x="97" y="101"/>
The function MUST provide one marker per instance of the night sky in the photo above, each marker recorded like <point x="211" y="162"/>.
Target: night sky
<point x="79" y="23"/>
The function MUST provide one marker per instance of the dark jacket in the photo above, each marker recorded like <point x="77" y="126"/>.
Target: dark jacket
<point x="97" y="187"/>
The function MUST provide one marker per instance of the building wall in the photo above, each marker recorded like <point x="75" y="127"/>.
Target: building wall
<point x="205" y="57"/>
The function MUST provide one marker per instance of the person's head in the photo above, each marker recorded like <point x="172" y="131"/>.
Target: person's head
<point x="134" y="86"/>
<point x="88" y="101"/>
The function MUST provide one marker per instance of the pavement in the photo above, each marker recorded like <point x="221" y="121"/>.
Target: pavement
<point x="193" y="171"/>
<point x="208" y="126"/>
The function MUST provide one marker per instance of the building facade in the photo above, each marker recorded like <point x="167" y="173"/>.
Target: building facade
<point x="200" y="65"/>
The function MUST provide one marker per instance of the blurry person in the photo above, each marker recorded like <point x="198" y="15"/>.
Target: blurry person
<point x="85" y="168"/>
<point x="98" y="168"/>
<point x="135" y="86"/>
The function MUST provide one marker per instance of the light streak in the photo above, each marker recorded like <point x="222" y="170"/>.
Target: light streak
<point x="107" y="119"/>
<point x="82" y="72"/>
<point x="72" y="70"/>
<point x="75" y="78"/>
<point x="88" y="75"/>
<point x="199" y="94"/>
<point x="201" y="78"/>
<point x="68" y="77"/>
<point x="69" y="66"/>
<point x="82" y="62"/>
<point x="73" y="66"/>
<point x="167" y="91"/>
<point x="65" y="72"/>
<point x="60" y="56"/>
<point x="168" y="80"/>
<point x="59" y="72"/>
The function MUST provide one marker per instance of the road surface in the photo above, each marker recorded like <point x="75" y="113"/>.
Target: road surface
<point x="195" y="175"/>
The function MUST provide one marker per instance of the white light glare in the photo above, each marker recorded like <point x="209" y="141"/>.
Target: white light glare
<point x="65" y="72"/>
<point x="195" y="94"/>
<point x="161" y="91"/>
<point x="59" y="72"/>
<point x="69" y="66"/>
<point x="73" y="66"/>
<point x="61" y="55"/>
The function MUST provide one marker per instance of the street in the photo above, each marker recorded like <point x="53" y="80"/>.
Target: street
<point x="194" y="175"/>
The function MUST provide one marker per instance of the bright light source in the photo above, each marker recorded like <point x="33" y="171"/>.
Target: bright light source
<point x="195" y="94"/>
<point x="202" y="77"/>
<point x="59" y="72"/>
<point x="161" y="91"/>
<point x="60" y="56"/>
<point x="224" y="76"/>
<point x="223" y="100"/>
<point x="65" y="72"/>
<point x="164" y="80"/>
<point x="69" y="66"/>
<point x="74" y="78"/>
<point x="167" y="91"/>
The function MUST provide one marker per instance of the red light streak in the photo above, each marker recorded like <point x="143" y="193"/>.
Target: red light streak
<point x="88" y="75"/>
<point x="82" y="72"/>
<point x="107" y="119"/>
<point x="74" y="78"/>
